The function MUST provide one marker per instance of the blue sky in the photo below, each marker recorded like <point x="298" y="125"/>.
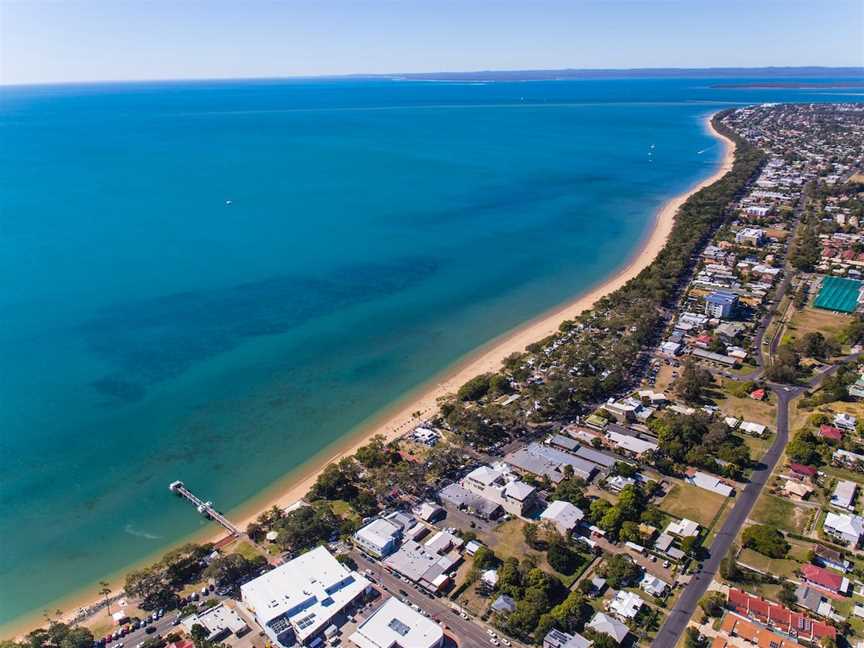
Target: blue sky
<point x="73" y="40"/>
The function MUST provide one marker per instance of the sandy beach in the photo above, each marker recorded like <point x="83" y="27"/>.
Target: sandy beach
<point x="401" y="417"/>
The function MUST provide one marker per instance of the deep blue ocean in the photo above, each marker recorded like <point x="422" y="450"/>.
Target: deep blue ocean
<point x="377" y="231"/>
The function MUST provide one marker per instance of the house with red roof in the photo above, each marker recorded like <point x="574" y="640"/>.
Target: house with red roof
<point x="758" y="394"/>
<point x="801" y="472"/>
<point x="774" y="615"/>
<point x="831" y="433"/>
<point x="824" y="578"/>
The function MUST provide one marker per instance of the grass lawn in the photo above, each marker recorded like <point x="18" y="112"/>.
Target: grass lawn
<point x="507" y="540"/>
<point x="247" y="550"/>
<point x="746" y="408"/>
<point x="781" y="513"/>
<point x="813" y="320"/>
<point x="693" y="503"/>
<point x="344" y="510"/>
<point x="758" y="445"/>
<point x="774" y="566"/>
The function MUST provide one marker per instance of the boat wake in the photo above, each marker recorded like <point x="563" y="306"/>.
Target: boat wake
<point x="131" y="530"/>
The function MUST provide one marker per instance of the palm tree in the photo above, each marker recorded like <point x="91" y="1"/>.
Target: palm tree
<point x="104" y="592"/>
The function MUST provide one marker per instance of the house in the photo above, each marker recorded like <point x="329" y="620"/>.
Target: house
<point x="756" y="429"/>
<point x="831" y="433"/>
<point x="379" y="538"/>
<point x="472" y="546"/>
<point x="758" y="394"/>
<point x="605" y="624"/>
<point x="827" y="580"/>
<point x="489" y="578"/>
<point x="598" y="584"/>
<point x="775" y="615"/>
<point x="663" y="544"/>
<point x="617" y="483"/>
<point x="626" y="605"/>
<point x="563" y="515"/>
<point x="857" y="390"/>
<point x="848" y="459"/>
<point x="846" y="527"/>
<point x="708" y="482"/>
<point x="814" y="600"/>
<point x="800" y="471"/>
<point x="796" y="490"/>
<point x="504" y="605"/>
<point x="396" y="624"/>
<point x="220" y="621"/>
<point x="429" y="512"/>
<point x="557" y="639"/>
<point x="653" y="585"/>
<point x="845" y="421"/>
<point x="827" y="557"/>
<point x="683" y="528"/>
<point x="296" y="601"/>
<point x="844" y="495"/>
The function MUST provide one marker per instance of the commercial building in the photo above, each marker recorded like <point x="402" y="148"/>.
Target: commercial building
<point x="395" y="625"/>
<point x="465" y="500"/>
<point x="721" y="304"/>
<point x="428" y="565"/>
<point x="539" y="459"/>
<point x="499" y="485"/>
<point x="379" y="538"/>
<point x="220" y="621"/>
<point x="298" y="600"/>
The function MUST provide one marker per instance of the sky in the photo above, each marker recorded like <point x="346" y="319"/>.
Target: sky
<point x="45" y="41"/>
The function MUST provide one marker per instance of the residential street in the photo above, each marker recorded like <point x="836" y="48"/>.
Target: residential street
<point x="680" y="615"/>
<point x="466" y="632"/>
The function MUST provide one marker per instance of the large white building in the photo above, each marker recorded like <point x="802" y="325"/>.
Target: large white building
<point x="395" y="625"/>
<point x="379" y="538"/>
<point x="297" y="601"/>
<point x="499" y="485"/>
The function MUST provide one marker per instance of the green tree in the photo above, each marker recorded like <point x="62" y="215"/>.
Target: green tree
<point x="765" y="539"/>
<point x="621" y="571"/>
<point x="713" y="604"/>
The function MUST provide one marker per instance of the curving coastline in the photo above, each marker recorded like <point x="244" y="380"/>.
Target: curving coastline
<point x="399" y="418"/>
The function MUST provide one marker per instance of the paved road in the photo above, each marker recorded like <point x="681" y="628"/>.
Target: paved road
<point x="466" y="632"/>
<point x="680" y="615"/>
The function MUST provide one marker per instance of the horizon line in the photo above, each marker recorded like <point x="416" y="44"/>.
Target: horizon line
<point x="855" y="70"/>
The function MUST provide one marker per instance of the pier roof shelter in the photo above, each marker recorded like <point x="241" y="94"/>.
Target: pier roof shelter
<point x="301" y="597"/>
<point x="838" y="294"/>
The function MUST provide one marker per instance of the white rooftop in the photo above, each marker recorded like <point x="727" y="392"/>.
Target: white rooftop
<point x="564" y="515"/>
<point x="684" y="528"/>
<point x="396" y="624"/>
<point x="626" y="604"/>
<point x="308" y="590"/>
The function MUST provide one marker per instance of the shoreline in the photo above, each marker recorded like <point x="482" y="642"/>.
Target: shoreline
<point x="397" y="419"/>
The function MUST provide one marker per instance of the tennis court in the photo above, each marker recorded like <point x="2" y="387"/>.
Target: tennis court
<point x="838" y="294"/>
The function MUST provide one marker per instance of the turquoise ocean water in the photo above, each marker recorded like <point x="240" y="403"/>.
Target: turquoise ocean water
<point x="378" y="231"/>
